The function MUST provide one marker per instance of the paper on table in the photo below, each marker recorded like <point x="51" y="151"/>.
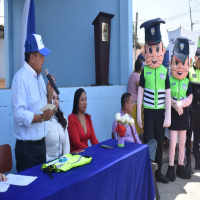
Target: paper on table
<point x="19" y="180"/>
<point x="4" y="187"/>
<point x="48" y="107"/>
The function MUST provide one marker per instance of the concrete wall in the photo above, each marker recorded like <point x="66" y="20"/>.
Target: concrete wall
<point x="67" y="30"/>
<point x="103" y="104"/>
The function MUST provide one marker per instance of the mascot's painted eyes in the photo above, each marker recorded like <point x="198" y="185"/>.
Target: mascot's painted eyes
<point x="157" y="49"/>
<point x="183" y="62"/>
<point x="176" y="61"/>
<point x="150" y="50"/>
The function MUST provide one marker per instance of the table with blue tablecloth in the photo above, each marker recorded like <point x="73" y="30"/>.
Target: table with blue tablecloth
<point x="114" y="174"/>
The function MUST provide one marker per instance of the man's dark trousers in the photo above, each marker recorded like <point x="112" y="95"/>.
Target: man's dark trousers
<point x="195" y="128"/>
<point x="29" y="153"/>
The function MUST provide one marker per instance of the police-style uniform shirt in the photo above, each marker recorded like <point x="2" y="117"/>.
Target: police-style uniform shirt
<point x="195" y="85"/>
<point x="142" y="84"/>
<point x="29" y="95"/>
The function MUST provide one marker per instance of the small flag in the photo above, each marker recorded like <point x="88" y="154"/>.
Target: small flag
<point x="28" y="27"/>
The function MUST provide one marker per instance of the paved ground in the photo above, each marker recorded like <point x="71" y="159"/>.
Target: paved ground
<point x="180" y="189"/>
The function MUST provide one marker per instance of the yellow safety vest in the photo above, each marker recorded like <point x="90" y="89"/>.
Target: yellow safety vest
<point x="72" y="161"/>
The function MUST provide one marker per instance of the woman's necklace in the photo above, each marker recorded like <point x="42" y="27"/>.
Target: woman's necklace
<point x="83" y="120"/>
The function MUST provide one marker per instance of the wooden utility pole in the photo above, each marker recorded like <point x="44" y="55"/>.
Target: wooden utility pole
<point x="136" y="20"/>
<point x="190" y="17"/>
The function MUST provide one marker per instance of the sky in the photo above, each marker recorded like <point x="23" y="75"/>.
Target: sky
<point x="174" y="12"/>
<point x="1" y="7"/>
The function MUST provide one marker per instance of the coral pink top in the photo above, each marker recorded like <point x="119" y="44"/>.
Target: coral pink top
<point x="132" y="87"/>
<point x="78" y="138"/>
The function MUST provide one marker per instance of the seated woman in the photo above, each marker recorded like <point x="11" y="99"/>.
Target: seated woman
<point x="80" y="126"/>
<point x="57" y="139"/>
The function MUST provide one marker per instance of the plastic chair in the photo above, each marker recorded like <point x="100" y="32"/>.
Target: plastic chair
<point x="5" y="158"/>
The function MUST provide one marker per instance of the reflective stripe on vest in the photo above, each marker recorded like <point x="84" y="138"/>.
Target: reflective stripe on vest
<point x="178" y="88"/>
<point x="72" y="161"/>
<point x="194" y="75"/>
<point x="154" y="90"/>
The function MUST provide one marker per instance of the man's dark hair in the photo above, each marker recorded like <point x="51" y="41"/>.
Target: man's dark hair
<point x="138" y="65"/>
<point x="125" y="99"/>
<point x="77" y="96"/>
<point x="28" y="54"/>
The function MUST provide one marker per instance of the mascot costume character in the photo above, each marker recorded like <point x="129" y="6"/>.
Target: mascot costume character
<point x="154" y="91"/>
<point x="181" y="98"/>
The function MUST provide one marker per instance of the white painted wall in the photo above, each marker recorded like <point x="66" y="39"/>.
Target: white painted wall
<point x="2" y="60"/>
<point x="103" y="103"/>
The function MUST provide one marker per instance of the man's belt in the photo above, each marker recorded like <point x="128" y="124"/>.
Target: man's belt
<point x="32" y="141"/>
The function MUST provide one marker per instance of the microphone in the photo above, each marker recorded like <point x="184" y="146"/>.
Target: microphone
<point x="46" y="72"/>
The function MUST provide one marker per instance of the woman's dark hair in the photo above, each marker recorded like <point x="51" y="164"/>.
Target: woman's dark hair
<point x="77" y="96"/>
<point x="138" y="65"/>
<point x="61" y="119"/>
<point x="28" y="54"/>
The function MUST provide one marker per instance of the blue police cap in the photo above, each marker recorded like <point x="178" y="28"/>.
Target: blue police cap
<point x="141" y="57"/>
<point x="152" y="30"/>
<point x="181" y="48"/>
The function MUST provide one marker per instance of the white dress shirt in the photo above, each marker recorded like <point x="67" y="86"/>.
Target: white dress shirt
<point x="57" y="140"/>
<point x="29" y="95"/>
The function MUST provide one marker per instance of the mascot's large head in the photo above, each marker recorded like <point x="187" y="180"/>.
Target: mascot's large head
<point x="180" y="59"/>
<point x="154" y="51"/>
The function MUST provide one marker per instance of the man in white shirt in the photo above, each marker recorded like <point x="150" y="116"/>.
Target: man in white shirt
<point x="29" y="95"/>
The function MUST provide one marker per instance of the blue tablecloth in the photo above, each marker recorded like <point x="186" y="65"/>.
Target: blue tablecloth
<point x="115" y="174"/>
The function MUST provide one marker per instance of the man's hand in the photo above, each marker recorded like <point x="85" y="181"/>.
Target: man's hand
<point x="50" y="89"/>
<point x="47" y="115"/>
<point x="3" y="177"/>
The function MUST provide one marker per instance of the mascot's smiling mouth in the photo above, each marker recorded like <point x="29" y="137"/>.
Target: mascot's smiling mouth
<point x="154" y="61"/>
<point x="179" y="73"/>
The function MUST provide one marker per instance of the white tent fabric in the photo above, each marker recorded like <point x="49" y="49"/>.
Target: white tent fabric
<point x="193" y="38"/>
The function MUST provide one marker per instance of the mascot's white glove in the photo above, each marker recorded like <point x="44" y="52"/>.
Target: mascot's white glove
<point x="167" y="121"/>
<point x="178" y="106"/>
<point x="187" y="101"/>
<point x="139" y="105"/>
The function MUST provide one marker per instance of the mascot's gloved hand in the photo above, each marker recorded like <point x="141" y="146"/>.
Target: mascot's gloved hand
<point x="139" y="105"/>
<point x="167" y="121"/>
<point x="187" y="101"/>
<point x="179" y="107"/>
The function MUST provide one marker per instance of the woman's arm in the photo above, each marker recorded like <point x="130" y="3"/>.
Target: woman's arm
<point x="137" y="84"/>
<point x="74" y="135"/>
<point x="93" y="138"/>
<point x="66" y="145"/>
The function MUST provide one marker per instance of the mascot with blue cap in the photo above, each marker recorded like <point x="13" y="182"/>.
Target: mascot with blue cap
<point x="154" y="91"/>
<point x="181" y="98"/>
